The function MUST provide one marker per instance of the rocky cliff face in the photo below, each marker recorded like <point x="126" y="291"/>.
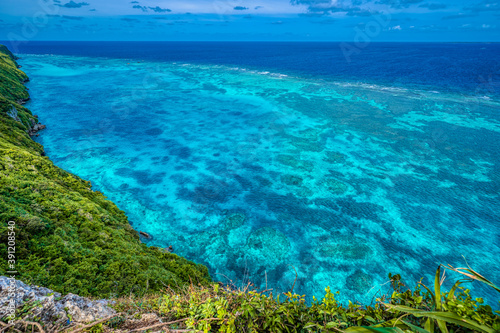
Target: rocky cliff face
<point x="29" y="308"/>
<point x="32" y="303"/>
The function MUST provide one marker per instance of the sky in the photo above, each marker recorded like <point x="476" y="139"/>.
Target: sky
<point x="251" y="20"/>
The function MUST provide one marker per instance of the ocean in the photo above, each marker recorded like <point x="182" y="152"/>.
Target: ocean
<point x="287" y="164"/>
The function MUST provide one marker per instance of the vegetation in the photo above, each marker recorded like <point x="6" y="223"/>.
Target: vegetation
<point x="71" y="239"/>
<point x="218" y="309"/>
<point x="11" y="76"/>
<point x="68" y="237"/>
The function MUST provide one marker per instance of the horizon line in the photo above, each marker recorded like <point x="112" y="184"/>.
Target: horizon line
<point x="241" y="41"/>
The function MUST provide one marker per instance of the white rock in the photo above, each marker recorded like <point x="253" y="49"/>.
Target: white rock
<point x="53" y="308"/>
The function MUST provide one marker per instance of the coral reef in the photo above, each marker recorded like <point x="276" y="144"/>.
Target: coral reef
<point x="68" y="237"/>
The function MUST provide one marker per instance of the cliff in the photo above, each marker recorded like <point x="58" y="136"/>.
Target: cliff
<point x="68" y="237"/>
<point x="57" y="233"/>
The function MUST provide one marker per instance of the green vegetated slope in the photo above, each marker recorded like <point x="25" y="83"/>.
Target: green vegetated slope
<point x="11" y="76"/>
<point x="71" y="239"/>
<point x="68" y="237"/>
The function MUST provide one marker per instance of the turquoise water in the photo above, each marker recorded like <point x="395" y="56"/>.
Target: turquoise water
<point x="255" y="173"/>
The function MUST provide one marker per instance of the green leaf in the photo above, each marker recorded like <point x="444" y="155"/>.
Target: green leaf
<point x="415" y="328"/>
<point x="310" y="325"/>
<point x="437" y="289"/>
<point x="430" y="292"/>
<point x="442" y="326"/>
<point x="368" y="329"/>
<point x="429" y="325"/>
<point x="473" y="275"/>
<point x="395" y="322"/>
<point x="448" y="317"/>
<point x="451" y="294"/>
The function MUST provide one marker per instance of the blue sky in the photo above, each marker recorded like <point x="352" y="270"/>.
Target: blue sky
<point x="282" y="20"/>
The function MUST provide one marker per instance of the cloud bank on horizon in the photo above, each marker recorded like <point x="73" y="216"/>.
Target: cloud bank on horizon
<point x="288" y="20"/>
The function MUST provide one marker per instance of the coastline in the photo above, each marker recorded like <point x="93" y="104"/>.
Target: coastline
<point x="133" y="177"/>
<point x="69" y="237"/>
<point x="50" y="222"/>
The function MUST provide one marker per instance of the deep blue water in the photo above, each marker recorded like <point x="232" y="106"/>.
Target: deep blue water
<point x="459" y="67"/>
<point x="255" y="157"/>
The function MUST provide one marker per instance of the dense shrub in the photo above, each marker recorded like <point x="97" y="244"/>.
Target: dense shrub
<point x="10" y="76"/>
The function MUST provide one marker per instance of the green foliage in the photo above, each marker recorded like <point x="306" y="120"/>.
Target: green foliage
<point x="71" y="239"/>
<point x="218" y="309"/>
<point x="447" y="311"/>
<point x="472" y="274"/>
<point x="68" y="237"/>
<point x="11" y="78"/>
<point x="13" y="133"/>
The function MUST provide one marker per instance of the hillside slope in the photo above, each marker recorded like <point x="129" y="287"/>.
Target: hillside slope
<point x="68" y="237"/>
<point x="71" y="239"/>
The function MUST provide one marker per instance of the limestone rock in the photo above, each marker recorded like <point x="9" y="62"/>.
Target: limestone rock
<point x="13" y="113"/>
<point x="51" y="307"/>
<point x="35" y="127"/>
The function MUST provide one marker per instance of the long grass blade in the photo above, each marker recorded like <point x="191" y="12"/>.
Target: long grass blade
<point x="451" y="294"/>
<point x="416" y="328"/>
<point x="442" y="326"/>
<point x="430" y="292"/>
<point x="368" y="329"/>
<point x="437" y="289"/>
<point x="448" y="317"/>
<point x="469" y="272"/>
<point x="429" y="325"/>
